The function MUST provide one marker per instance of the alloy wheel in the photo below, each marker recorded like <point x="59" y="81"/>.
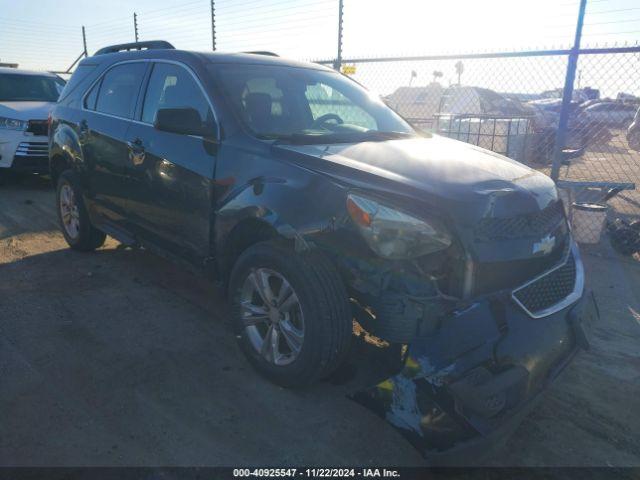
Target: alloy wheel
<point x="272" y="316"/>
<point x="69" y="211"/>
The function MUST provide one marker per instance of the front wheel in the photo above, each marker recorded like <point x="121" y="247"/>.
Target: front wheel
<point x="77" y="229"/>
<point x="291" y="313"/>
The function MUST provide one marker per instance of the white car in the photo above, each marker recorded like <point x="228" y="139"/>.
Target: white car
<point x="26" y="98"/>
<point x="610" y="114"/>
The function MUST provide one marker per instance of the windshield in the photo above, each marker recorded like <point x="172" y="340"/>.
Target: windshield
<point x="303" y="105"/>
<point x="29" y="88"/>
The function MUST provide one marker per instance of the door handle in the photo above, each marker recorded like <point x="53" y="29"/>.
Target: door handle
<point x="136" y="151"/>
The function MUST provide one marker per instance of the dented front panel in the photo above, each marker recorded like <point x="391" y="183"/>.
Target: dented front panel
<point x="485" y="366"/>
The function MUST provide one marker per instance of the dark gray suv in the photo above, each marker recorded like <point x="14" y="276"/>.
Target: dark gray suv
<point x="323" y="213"/>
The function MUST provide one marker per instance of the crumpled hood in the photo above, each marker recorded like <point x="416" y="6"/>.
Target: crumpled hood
<point x="26" y="110"/>
<point x="440" y="169"/>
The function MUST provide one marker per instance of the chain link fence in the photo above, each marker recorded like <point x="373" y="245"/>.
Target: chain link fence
<point x="602" y="183"/>
<point x="510" y="103"/>
<point x="507" y="102"/>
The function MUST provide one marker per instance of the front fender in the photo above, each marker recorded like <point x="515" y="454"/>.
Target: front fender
<point x="297" y="208"/>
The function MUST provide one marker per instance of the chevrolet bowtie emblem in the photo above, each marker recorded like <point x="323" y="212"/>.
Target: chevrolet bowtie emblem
<point x="545" y="246"/>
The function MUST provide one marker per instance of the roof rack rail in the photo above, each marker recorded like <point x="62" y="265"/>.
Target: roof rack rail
<point x="263" y="52"/>
<point x="151" y="44"/>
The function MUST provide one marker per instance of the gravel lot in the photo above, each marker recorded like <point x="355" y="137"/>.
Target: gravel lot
<point x="121" y="358"/>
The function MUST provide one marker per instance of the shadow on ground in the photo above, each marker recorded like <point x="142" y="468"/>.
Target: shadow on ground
<point x="26" y="205"/>
<point x="121" y="358"/>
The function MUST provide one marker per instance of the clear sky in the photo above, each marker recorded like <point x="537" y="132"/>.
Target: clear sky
<point x="46" y="34"/>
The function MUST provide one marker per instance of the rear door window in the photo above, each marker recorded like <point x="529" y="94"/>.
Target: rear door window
<point x="119" y="89"/>
<point x="172" y="86"/>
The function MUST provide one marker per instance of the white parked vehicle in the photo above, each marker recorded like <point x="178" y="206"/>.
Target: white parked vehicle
<point x="611" y="114"/>
<point x="26" y="98"/>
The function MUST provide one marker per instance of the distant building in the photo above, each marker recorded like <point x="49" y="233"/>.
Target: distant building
<point x="8" y="65"/>
<point x="521" y="97"/>
<point x="579" y="94"/>
<point x="417" y="105"/>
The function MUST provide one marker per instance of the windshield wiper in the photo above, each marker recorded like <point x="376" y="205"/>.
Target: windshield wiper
<point x="381" y="135"/>
<point x="342" y="137"/>
<point x="314" y="139"/>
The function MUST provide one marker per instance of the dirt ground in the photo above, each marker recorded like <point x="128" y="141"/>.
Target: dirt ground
<point x="121" y="358"/>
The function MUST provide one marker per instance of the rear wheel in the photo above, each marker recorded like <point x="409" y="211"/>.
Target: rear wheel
<point x="77" y="229"/>
<point x="291" y="313"/>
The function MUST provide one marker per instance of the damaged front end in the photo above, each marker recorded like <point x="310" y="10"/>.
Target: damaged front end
<point x="470" y="382"/>
<point x="472" y="366"/>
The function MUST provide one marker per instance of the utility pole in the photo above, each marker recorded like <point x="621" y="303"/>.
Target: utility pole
<point x="579" y="78"/>
<point x="213" y="25"/>
<point x="338" y="63"/>
<point x="567" y="95"/>
<point x="459" y="71"/>
<point x="135" y="25"/>
<point x="84" y="41"/>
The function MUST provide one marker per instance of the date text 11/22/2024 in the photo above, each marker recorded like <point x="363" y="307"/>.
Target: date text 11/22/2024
<point x="316" y="473"/>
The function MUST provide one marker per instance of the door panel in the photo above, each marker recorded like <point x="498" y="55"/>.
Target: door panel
<point x="171" y="174"/>
<point x="109" y="107"/>
<point x="106" y="157"/>
<point x="170" y="202"/>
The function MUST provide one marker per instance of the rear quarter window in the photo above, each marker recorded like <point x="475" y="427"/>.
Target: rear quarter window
<point x="80" y="74"/>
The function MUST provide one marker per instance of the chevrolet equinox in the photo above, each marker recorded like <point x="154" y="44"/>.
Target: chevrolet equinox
<point x="322" y="213"/>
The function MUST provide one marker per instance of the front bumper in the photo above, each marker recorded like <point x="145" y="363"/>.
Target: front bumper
<point x="24" y="152"/>
<point x="469" y="381"/>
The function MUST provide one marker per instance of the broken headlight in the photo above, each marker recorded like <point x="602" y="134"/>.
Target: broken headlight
<point x="394" y="234"/>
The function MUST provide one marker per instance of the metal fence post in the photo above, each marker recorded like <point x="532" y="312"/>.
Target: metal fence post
<point x="338" y="61"/>
<point x="567" y="95"/>
<point x="213" y="25"/>
<point x="135" y="25"/>
<point x="84" y="41"/>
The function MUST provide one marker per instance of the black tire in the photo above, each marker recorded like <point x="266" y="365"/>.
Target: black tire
<point x="324" y="304"/>
<point x="88" y="237"/>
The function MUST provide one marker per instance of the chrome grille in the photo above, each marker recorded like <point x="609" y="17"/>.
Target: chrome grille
<point x="508" y="274"/>
<point x="32" y="149"/>
<point x="553" y="290"/>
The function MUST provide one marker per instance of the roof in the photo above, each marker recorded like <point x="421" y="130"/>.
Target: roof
<point x="257" y="59"/>
<point x="413" y="94"/>
<point x="205" y="57"/>
<point x="19" y="71"/>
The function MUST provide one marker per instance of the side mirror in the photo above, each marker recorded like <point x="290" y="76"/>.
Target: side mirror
<point x="185" y="121"/>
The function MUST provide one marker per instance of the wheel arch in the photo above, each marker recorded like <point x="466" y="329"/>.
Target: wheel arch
<point x="285" y="207"/>
<point x="246" y="233"/>
<point x="58" y="163"/>
<point x="64" y="151"/>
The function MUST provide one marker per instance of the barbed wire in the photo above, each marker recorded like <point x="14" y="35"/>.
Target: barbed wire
<point x="242" y="24"/>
